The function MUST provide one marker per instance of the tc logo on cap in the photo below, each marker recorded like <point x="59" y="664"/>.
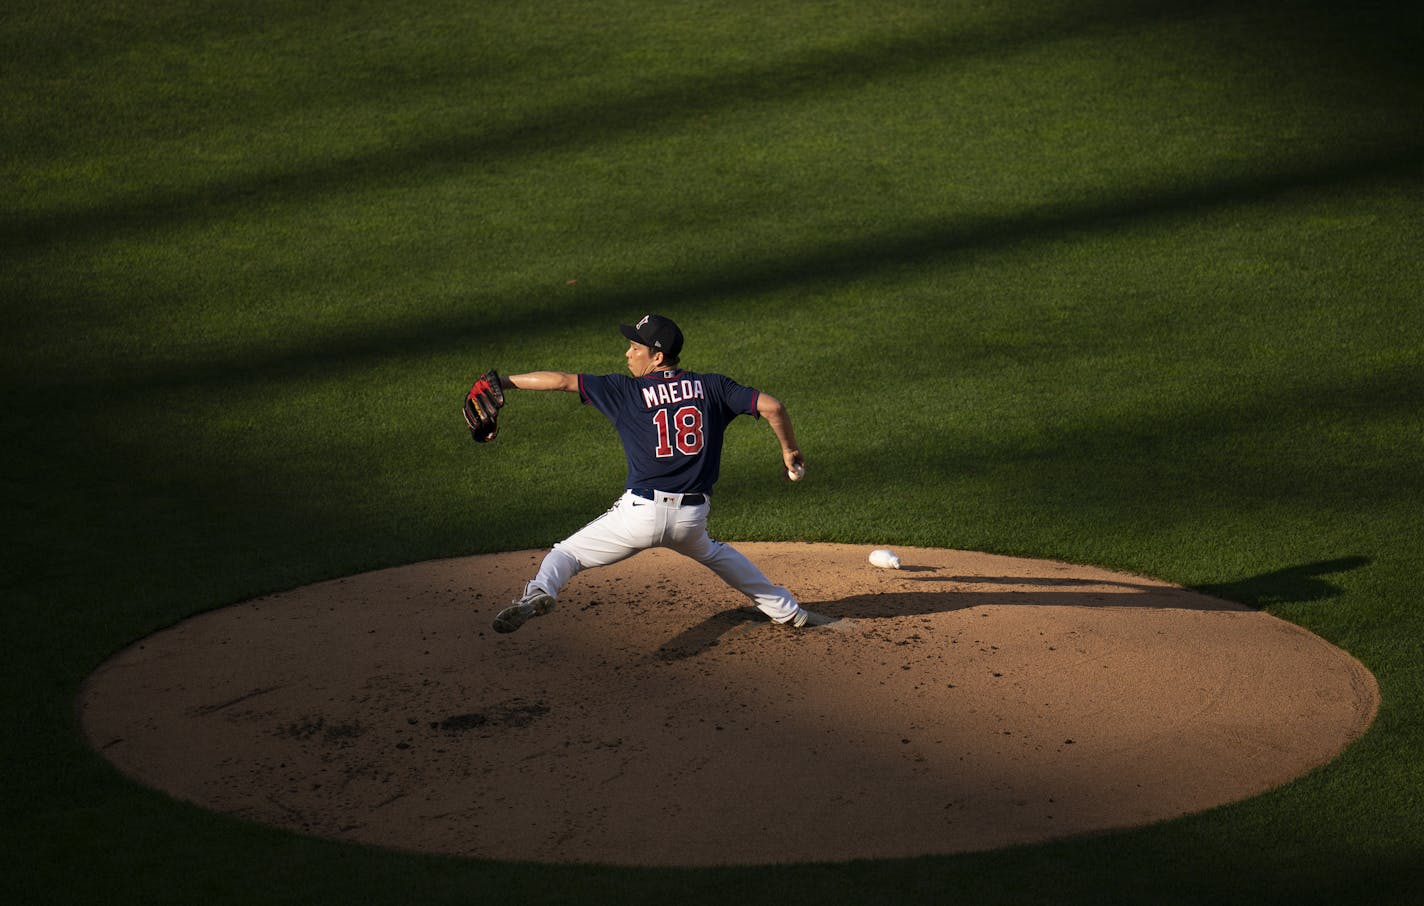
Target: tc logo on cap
<point x="655" y="332"/>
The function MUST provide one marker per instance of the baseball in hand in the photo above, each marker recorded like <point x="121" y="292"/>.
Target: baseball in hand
<point x="796" y="472"/>
<point x="884" y="558"/>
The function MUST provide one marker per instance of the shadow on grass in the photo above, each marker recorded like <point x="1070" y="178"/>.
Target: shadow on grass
<point x="587" y="122"/>
<point x="1293" y="585"/>
<point x="914" y="244"/>
<point x="1379" y="36"/>
<point x="817" y="71"/>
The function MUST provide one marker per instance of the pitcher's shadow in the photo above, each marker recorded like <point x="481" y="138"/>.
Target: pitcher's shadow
<point x="1293" y="584"/>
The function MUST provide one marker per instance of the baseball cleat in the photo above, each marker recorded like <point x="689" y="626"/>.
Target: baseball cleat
<point x="806" y="619"/>
<point x="532" y="605"/>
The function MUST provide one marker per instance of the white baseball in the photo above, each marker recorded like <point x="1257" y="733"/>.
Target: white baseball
<point x="796" y="472"/>
<point x="884" y="558"/>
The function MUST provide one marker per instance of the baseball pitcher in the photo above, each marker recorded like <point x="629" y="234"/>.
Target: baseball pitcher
<point x="670" y="422"/>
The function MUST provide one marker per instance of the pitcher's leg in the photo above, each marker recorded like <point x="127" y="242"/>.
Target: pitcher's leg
<point x="690" y="538"/>
<point x="616" y="535"/>
<point x="558" y="567"/>
<point x="733" y="567"/>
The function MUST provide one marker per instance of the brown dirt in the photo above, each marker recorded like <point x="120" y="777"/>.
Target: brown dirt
<point x="967" y="702"/>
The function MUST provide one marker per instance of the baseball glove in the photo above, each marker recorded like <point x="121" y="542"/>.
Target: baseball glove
<point x="482" y="405"/>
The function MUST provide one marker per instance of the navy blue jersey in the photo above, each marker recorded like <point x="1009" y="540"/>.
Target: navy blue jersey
<point x="670" y="424"/>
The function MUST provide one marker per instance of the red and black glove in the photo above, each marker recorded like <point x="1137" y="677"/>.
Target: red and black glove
<point x="482" y="405"/>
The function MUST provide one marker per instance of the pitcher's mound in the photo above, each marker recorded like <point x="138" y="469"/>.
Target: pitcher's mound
<point x="965" y="702"/>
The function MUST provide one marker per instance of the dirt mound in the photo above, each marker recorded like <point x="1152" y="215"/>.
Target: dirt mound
<point x="964" y="702"/>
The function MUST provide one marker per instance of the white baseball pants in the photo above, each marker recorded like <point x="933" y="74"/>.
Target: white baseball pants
<point x="634" y="524"/>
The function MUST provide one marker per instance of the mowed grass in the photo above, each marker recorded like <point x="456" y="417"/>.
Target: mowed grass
<point x="1127" y="283"/>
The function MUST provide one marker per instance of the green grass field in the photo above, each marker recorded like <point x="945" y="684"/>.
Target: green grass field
<point x="1136" y="284"/>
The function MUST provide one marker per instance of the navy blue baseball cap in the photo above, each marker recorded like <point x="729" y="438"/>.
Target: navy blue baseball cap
<point x="657" y="333"/>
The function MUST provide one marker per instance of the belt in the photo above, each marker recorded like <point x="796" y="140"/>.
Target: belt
<point x="687" y="499"/>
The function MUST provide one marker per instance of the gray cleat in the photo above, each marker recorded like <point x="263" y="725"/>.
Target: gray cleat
<point x="807" y="619"/>
<point x="534" y="604"/>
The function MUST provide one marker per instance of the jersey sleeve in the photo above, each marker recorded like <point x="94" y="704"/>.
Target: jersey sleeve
<point x="603" y="391"/>
<point x="737" y="399"/>
<point x="591" y="387"/>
